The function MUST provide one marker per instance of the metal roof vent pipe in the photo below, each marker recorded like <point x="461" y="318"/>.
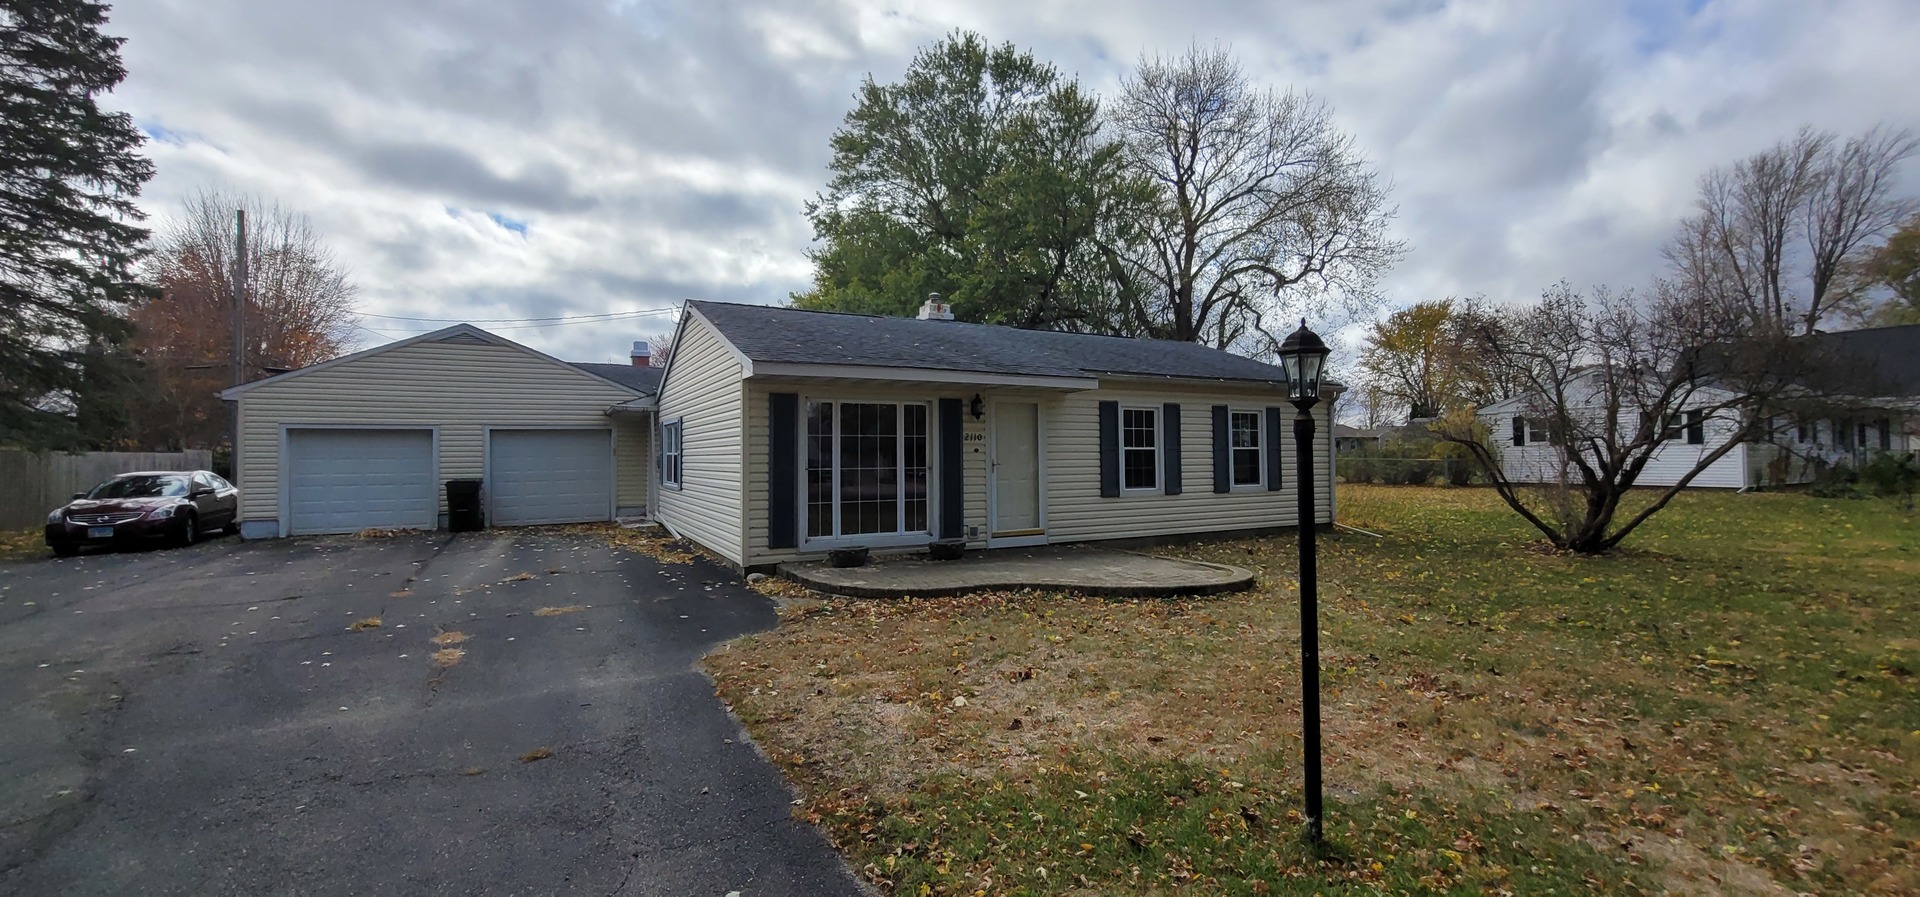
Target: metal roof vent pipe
<point x="936" y="309"/>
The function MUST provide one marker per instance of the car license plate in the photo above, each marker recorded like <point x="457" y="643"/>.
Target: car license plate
<point x="99" y="532"/>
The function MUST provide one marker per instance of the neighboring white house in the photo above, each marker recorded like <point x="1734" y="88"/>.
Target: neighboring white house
<point x="787" y="433"/>
<point x="368" y="440"/>
<point x="1873" y="385"/>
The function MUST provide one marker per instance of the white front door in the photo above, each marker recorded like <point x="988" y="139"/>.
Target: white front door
<point x="549" y="476"/>
<point x="1014" y="455"/>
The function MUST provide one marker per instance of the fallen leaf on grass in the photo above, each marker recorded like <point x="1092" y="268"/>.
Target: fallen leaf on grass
<point x="557" y="611"/>
<point x="449" y="638"/>
<point x="447" y="657"/>
<point x="365" y="623"/>
<point x="536" y="754"/>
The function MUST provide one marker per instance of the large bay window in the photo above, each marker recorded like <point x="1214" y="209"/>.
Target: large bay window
<point x="866" y="469"/>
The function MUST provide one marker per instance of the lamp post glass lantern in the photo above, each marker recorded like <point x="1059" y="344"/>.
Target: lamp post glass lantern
<point x="1303" y="357"/>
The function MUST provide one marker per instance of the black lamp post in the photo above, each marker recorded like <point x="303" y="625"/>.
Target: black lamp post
<point x="1303" y="357"/>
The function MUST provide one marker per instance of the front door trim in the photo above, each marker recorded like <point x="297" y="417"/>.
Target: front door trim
<point x="1022" y="537"/>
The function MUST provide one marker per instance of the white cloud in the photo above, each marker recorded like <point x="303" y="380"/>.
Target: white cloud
<point x="659" y="150"/>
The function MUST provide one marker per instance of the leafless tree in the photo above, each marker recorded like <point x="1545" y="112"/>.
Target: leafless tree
<point x="1613" y="380"/>
<point x="660" y="349"/>
<point x="1777" y="232"/>
<point x="300" y="311"/>
<point x="1265" y="210"/>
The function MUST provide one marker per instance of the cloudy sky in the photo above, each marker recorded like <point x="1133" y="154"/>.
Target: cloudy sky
<point x="500" y="160"/>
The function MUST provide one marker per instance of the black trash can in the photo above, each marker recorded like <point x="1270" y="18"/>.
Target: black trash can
<point x="463" y="506"/>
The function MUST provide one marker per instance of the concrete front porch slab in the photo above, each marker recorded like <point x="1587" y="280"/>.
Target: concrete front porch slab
<point x="1084" y="570"/>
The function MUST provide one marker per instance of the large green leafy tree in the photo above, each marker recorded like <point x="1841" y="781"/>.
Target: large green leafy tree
<point x="69" y="174"/>
<point x="982" y="175"/>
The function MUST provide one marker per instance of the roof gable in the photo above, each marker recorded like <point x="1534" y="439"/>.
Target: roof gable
<point x="456" y="334"/>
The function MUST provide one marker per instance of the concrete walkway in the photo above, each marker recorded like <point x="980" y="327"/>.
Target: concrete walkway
<point x="1087" y="571"/>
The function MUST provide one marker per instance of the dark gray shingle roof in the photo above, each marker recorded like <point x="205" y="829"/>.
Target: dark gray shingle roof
<point x="794" y="336"/>
<point x="646" y="380"/>
<point x="1881" y="361"/>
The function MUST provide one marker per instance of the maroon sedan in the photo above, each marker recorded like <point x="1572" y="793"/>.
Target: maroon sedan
<point x="172" y="505"/>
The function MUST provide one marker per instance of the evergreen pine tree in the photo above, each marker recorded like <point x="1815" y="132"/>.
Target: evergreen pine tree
<point x="69" y="174"/>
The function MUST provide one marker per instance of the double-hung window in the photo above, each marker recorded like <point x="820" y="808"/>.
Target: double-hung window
<point x="866" y="469"/>
<point x="670" y="454"/>
<point x="1244" y="429"/>
<point x="1139" y="449"/>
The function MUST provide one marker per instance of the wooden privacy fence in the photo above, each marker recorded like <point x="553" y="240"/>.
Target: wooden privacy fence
<point x="32" y="484"/>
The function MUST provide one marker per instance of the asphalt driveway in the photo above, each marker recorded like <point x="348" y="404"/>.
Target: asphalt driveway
<point x="210" y="721"/>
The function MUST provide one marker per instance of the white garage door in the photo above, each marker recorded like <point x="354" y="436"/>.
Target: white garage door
<point x="344" y="481"/>
<point x="549" y="476"/>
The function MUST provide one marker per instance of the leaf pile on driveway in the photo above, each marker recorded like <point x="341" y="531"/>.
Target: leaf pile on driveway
<point x="1726" y="706"/>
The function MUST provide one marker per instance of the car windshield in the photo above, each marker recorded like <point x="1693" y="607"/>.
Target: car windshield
<point x="141" y="487"/>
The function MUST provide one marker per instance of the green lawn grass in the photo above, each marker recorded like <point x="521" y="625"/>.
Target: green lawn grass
<point x="1727" y="705"/>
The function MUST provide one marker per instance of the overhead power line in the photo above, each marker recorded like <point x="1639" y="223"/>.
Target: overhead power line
<point x="530" y="322"/>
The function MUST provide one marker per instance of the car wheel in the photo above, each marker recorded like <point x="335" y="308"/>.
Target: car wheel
<point x="64" y="549"/>
<point x="189" y="529"/>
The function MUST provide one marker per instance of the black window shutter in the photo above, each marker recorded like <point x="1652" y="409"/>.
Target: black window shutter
<point x="1273" y="449"/>
<point x="783" y="470"/>
<point x="1170" y="458"/>
<point x="1109" y="449"/>
<point x="1519" y="430"/>
<point x="1222" y="462"/>
<point x="952" y="505"/>
<point x="1696" y="429"/>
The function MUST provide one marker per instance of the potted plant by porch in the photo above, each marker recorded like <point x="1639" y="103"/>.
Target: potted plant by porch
<point x="947" y="549"/>
<point x="848" y="557"/>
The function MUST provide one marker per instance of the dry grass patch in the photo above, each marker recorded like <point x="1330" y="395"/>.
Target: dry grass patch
<point x="557" y="611"/>
<point x="1727" y="707"/>
<point x="22" y="545"/>
<point x="365" y="623"/>
<point x="449" y="638"/>
<point x="536" y="755"/>
<point x="653" y="541"/>
<point x="447" y="657"/>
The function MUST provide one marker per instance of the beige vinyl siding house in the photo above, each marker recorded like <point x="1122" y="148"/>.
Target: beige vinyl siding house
<point x="446" y="405"/>
<point x="706" y="403"/>
<point x="890" y="434"/>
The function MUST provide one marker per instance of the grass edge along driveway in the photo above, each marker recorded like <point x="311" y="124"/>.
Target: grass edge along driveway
<point x="1727" y="706"/>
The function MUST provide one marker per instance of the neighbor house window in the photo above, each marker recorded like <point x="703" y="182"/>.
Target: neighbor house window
<point x="1803" y="432"/>
<point x="670" y="454"/>
<point x="866" y="469"/>
<point x="1696" y="427"/>
<point x="1139" y="448"/>
<point x="1245" y="446"/>
<point x="1886" y="434"/>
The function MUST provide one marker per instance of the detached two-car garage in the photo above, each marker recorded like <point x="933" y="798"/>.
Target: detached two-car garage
<point x="368" y="441"/>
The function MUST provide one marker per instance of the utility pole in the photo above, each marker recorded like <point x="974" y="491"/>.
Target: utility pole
<point x="239" y="329"/>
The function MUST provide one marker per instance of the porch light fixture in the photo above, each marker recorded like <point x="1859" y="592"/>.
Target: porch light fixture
<point x="978" y="407"/>
<point x="1303" y="356"/>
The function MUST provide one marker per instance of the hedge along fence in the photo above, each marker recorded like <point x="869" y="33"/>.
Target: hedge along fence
<point x="36" y="483"/>
<point x="1407" y="471"/>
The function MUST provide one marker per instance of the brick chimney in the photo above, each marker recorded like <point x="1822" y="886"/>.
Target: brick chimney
<point x="936" y="309"/>
<point x="641" y="357"/>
